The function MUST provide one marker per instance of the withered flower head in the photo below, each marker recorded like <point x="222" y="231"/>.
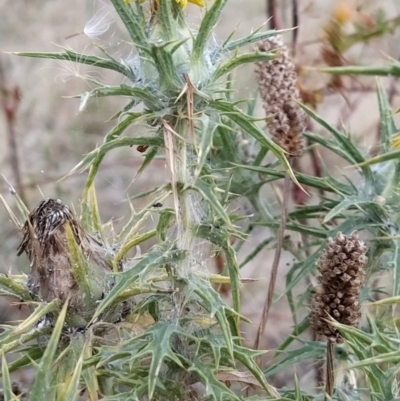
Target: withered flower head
<point x="342" y="274"/>
<point x="53" y="272"/>
<point x="277" y="82"/>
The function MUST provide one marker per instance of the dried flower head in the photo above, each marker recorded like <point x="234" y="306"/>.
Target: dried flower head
<point x="342" y="274"/>
<point x="53" y="273"/>
<point x="278" y="89"/>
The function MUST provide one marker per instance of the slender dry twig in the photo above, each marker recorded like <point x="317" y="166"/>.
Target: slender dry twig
<point x="10" y="98"/>
<point x="295" y="24"/>
<point x="272" y="15"/>
<point x="330" y="374"/>
<point x="275" y="263"/>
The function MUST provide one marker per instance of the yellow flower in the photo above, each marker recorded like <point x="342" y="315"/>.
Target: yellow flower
<point x="396" y="141"/>
<point x="183" y="3"/>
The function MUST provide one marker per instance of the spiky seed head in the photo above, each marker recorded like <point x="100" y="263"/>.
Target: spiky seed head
<point x="341" y="268"/>
<point x="278" y="89"/>
<point x="53" y="274"/>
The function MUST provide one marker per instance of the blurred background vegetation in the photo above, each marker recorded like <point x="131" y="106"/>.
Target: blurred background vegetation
<point x="43" y="134"/>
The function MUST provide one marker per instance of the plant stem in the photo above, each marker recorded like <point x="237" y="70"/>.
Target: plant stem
<point x="330" y="375"/>
<point x="10" y="98"/>
<point x="275" y="264"/>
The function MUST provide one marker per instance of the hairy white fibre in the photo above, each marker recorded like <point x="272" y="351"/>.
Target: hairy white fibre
<point x="99" y="24"/>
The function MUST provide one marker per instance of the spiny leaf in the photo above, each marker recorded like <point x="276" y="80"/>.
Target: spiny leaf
<point x="251" y="38"/>
<point x="131" y="21"/>
<point x="15" y="288"/>
<point x="78" y="263"/>
<point x="233" y="113"/>
<point x="215" y="306"/>
<point x="388" y="126"/>
<point x="207" y="133"/>
<point x="7" y="387"/>
<point x="138" y="94"/>
<point x="29" y="354"/>
<point x="229" y="65"/>
<point x="71" y="390"/>
<point x="207" y="191"/>
<point x="310" y="350"/>
<point x="41" y="388"/>
<point x="323" y="183"/>
<point x="70" y="55"/>
<point x="206" y="28"/>
<point x="343" y="141"/>
<point x="98" y="154"/>
<point x="26" y="325"/>
<point x="384" y="70"/>
<point x="159" y="347"/>
<point x="156" y="258"/>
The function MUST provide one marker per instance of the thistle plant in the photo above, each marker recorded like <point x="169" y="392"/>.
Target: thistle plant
<point x="89" y="295"/>
<point x="104" y="324"/>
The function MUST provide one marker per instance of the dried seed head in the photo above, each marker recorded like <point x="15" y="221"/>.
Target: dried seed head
<point x="342" y="273"/>
<point x="277" y="81"/>
<point x="52" y="272"/>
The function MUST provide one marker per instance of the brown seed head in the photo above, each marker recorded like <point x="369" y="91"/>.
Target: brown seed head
<point x="278" y="89"/>
<point x="341" y="266"/>
<point x="46" y="244"/>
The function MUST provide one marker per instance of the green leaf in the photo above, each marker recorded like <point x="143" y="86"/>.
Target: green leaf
<point x="257" y="249"/>
<point x="394" y="154"/>
<point x="70" y="55"/>
<point x="297" y="227"/>
<point x="29" y="354"/>
<point x="310" y="350"/>
<point x="164" y="224"/>
<point x="71" y="390"/>
<point x="7" y="387"/>
<point x="215" y="306"/>
<point x="207" y="132"/>
<point x="27" y="324"/>
<point x="251" y="38"/>
<point x="339" y="208"/>
<point x="207" y="191"/>
<point x="395" y="263"/>
<point x="156" y="258"/>
<point x="244" y="121"/>
<point x="229" y="65"/>
<point x="329" y="144"/>
<point x="90" y="213"/>
<point x="385" y="70"/>
<point x="323" y="183"/>
<point x="138" y="94"/>
<point x="167" y="20"/>
<point x="168" y="72"/>
<point x="79" y="265"/>
<point x="207" y="26"/>
<point x="15" y="288"/>
<point x="159" y="347"/>
<point x="131" y="21"/>
<point x="298" y="329"/>
<point x="234" y="274"/>
<point x="214" y="389"/>
<point x="96" y="156"/>
<point x="247" y="357"/>
<point x="41" y="389"/>
<point x="344" y="142"/>
<point x="388" y="126"/>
